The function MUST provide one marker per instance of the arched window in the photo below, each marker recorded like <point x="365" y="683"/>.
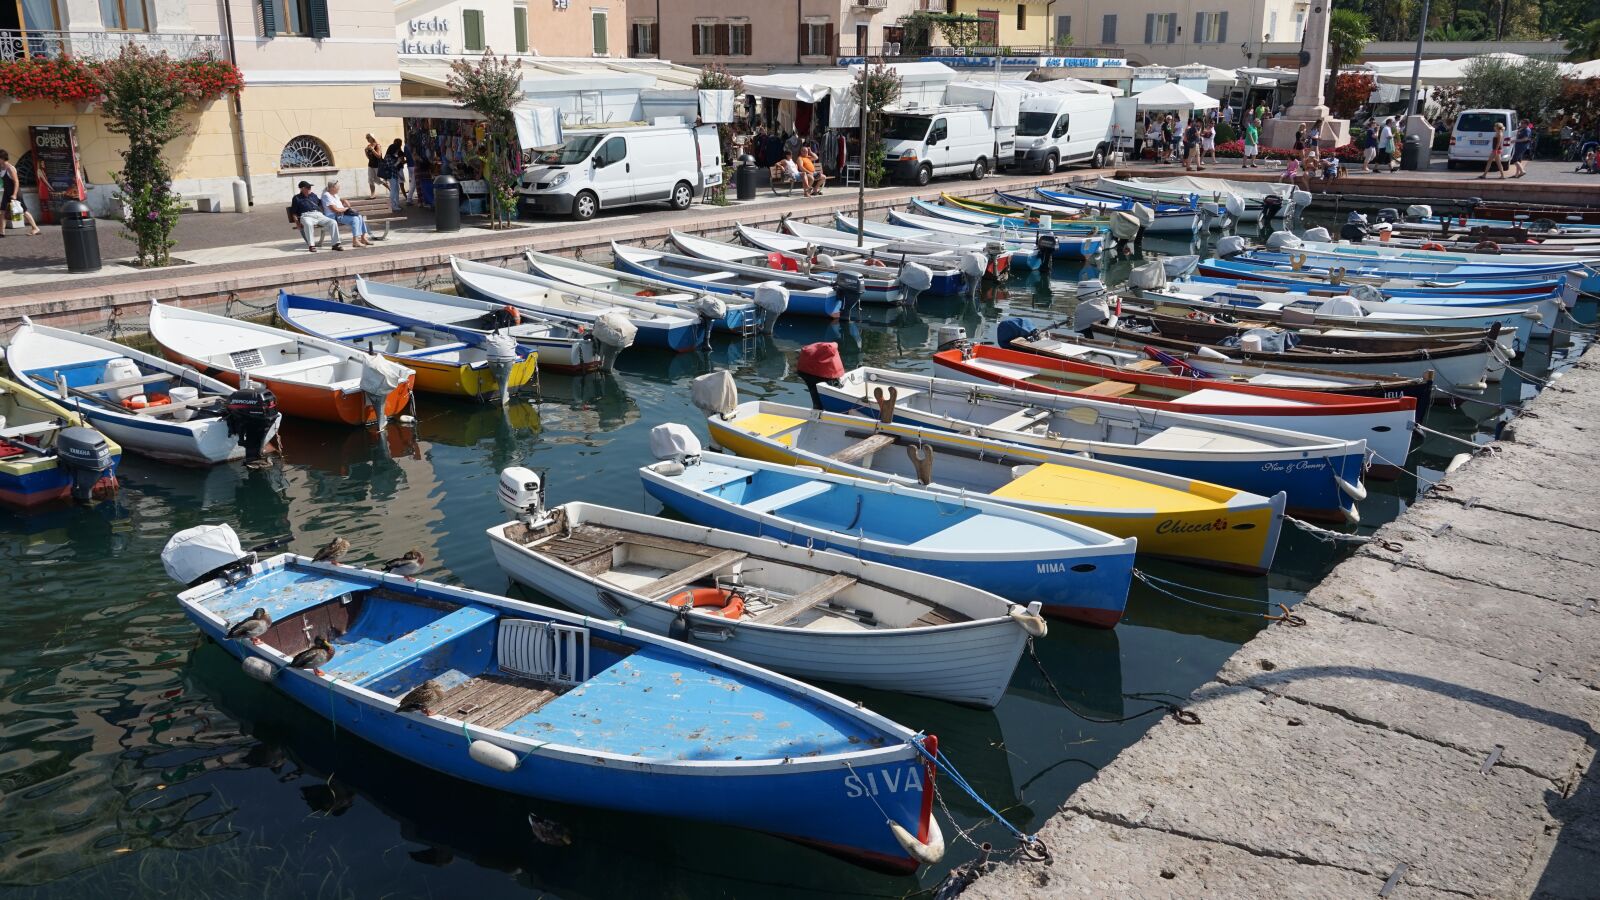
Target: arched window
<point x="27" y="176"/>
<point x="305" y="152"/>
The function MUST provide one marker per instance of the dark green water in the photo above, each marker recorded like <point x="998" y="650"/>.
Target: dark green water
<point x="136" y="761"/>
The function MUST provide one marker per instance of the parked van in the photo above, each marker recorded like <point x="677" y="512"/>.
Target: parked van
<point x="919" y="144"/>
<point x="606" y="168"/>
<point x="1473" y="135"/>
<point x="1056" y="129"/>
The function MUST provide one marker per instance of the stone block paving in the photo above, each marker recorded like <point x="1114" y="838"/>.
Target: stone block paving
<point x="1436" y="715"/>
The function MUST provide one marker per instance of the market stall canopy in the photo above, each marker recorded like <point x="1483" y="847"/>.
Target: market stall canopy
<point x="1213" y="74"/>
<point x="1068" y="86"/>
<point x="801" y="87"/>
<point x="1584" y="70"/>
<point x="1175" y="96"/>
<point x="1436" y="71"/>
<point x="537" y="125"/>
<point x="1262" y="77"/>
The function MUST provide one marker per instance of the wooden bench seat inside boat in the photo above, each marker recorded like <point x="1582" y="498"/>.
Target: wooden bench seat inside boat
<point x="788" y="610"/>
<point x="1108" y="389"/>
<point x="862" y="449"/>
<point x="689" y="574"/>
<point x="495" y="701"/>
<point x="788" y="497"/>
<point x="380" y="661"/>
<point x="168" y="408"/>
<point x="1143" y="365"/>
<point x="127" y="382"/>
<point x="1022" y="420"/>
<point x="28" y="430"/>
<point x="295" y="366"/>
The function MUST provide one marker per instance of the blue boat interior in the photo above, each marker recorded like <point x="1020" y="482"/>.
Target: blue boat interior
<point x="538" y="678"/>
<point x="108" y="381"/>
<point x="384" y="332"/>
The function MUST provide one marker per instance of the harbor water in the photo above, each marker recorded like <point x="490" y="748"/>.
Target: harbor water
<point x="136" y="760"/>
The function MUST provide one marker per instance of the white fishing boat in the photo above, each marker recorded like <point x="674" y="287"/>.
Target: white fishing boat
<point x="929" y="252"/>
<point x="878" y="283"/>
<point x="816" y="614"/>
<point x="148" y="404"/>
<point x="738" y="316"/>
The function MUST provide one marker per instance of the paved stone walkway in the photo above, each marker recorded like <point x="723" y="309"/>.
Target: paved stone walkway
<point x="1433" y="724"/>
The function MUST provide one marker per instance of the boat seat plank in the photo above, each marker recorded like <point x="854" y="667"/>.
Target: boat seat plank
<point x="1108" y="389"/>
<point x="174" y="406"/>
<point x="28" y="430"/>
<point x="799" y="492"/>
<point x="396" y="654"/>
<point x="495" y="701"/>
<point x="862" y="449"/>
<point x="294" y="367"/>
<point x="690" y="574"/>
<point x="1143" y="365"/>
<point x="811" y="597"/>
<point x="128" y="382"/>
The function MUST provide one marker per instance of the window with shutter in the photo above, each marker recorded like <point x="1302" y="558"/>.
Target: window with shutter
<point x="721" y="39"/>
<point x="749" y="38"/>
<point x="1063" y="28"/>
<point x="1222" y="27"/>
<point x="472" y="29"/>
<point x="829" y="45"/>
<point x="1108" y="31"/>
<point x="1200" y="27"/>
<point x="602" y="41"/>
<point x="1149" y="28"/>
<point x="318" y="18"/>
<point x="269" y="18"/>
<point x="1022" y="17"/>
<point x="655" y="38"/>
<point x="1172" y="27"/>
<point x="519" y="18"/>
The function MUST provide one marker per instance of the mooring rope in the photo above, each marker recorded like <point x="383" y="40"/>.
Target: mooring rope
<point x="1152" y="580"/>
<point x="1028" y="844"/>
<point x="1185" y="716"/>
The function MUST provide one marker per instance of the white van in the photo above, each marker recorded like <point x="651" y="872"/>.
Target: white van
<point x="1473" y="135"/>
<point x="919" y="144"/>
<point x="1056" y="129"/>
<point x="607" y="168"/>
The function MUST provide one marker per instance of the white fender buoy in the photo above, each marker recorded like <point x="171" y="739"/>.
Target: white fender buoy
<point x="1457" y="461"/>
<point x="927" y="854"/>
<point x="258" y="668"/>
<point x="1352" y="516"/>
<point x="1030" y="620"/>
<point x="492" y="755"/>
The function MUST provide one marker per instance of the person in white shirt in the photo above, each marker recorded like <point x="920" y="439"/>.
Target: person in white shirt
<point x="344" y="215"/>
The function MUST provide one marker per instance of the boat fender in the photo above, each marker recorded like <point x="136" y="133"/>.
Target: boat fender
<point x="1457" y="461"/>
<point x="1030" y="620"/>
<point x="1209" y="353"/>
<point x="1352" y="516"/>
<point x="492" y="755"/>
<point x="928" y="854"/>
<point x="259" y="669"/>
<point x="824" y="261"/>
<point x="1419" y="211"/>
<point x="1356" y="492"/>
<point x="886" y="403"/>
<point x="670" y="468"/>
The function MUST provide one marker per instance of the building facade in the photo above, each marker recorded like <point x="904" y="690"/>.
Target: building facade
<point x="1166" y="33"/>
<point x="565" y="28"/>
<point x="765" y="35"/>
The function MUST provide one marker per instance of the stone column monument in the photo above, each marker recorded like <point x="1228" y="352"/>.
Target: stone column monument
<point x="1308" y="106"/>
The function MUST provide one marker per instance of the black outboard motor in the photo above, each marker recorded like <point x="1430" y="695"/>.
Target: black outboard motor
<point x="847" y="285"/>
<point x="1046" y="243"/>
<point x="1271" y="208"/>
<point x="1352" y="232"/>
<point x="251" y="414"/>
<point x="1389" y="214"/>
<point x="86" y="456"/>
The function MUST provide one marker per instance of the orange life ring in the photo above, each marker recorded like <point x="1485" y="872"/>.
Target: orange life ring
<point x="644" y="293"/>
<point x="1433" y="245"/>
<point x="514" y="313"/>
<point x="876" y="263"/>
<point x="159" y="400"/>
<point x="137" y="401"/>
<point x="727" y="604"/>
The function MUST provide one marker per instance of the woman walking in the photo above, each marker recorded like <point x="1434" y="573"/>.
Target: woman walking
<point x="1496" y="148"/>
<point x="1522" y="148"/>
<point x="10" y="185"/>
<point x="374" y="164"/>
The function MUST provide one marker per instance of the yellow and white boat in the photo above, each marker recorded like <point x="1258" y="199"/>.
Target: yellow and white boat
<point x="1174" y="518"/>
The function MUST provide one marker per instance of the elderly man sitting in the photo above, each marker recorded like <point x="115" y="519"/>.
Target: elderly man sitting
<point x="306" y="212"/>
<point x="344" y="215"/>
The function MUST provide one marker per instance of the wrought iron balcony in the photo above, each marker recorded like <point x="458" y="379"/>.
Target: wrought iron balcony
<point x="15" y="45"/>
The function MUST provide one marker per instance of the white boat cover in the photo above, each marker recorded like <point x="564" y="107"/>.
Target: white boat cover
<point x="195" y="551"/>
<point x="672" y="440"/>
<point x="714" y="394"/>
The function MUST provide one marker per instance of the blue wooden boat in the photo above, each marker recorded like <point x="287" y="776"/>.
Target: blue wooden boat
<point x="1446" y="270"/>
<point x="1168" y="219"/>
<point x="1020" y="249"/>
<point x="1070" y="244"/>
<point x="806" y="296"/>
<point x="542" y="703"/>
<point x="1234" y="271"/>
<point x="48" y="454"/>
<point x="878" y="284"/>
<point x="974" y="212"/>
<point x="1073" y="570"/>
<point x="944" y="275"/>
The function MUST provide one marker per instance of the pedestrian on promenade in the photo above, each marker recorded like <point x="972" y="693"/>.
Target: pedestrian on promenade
<point x="10" y="181"/>
<point x="394" y="172"/>
<point x="1208" y="140"/>
<point x="1191" y="147"/>
<point x="1496" y="147"/>
<point x="307" y="213"/>
<point x="1141" y="124"/>
<point x="1522" y="148"/>
<point x="374" y="166"/>
<point x="1252" y="145"/>
<point x="1369" y="149"/>
<point x="333" y="206"/>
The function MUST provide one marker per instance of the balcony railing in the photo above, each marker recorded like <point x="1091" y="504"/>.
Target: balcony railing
<point x="15" y="45"/>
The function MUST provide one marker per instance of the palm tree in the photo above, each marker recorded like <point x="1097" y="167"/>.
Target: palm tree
<point x="1585" y="45"/>
<point x="1348" y="34"/>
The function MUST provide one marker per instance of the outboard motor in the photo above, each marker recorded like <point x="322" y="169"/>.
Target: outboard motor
<point x="1318" y="234"/>
<point x="847" y="285"/>
<point x="992" y="251"/>
<point x="1094" y="306"/>
<point x="1354" y="229"/>
<point x="85" y="454"/>
<point x="952" y="335"/>
<point x="1231" y="245"/>
<point x="521" y="493"/>
<point x="1010" y="329"/>
<point x="1421" y="211"/>
<point x="199" y="554"/>
<point x="1391" y="215"/>
<point x="1271" y="208"/>
<point x="973" y="266"/>
<point x="252" y="413"/>
<point x="1046" y="243"/>
<point x="914" y="279"/>
<point x="500" y="351"/>
<point x="712" y="309"/>
<point x="611" y="334"/>
<point x="820" y="362"/>
<point x="773" y="300"/>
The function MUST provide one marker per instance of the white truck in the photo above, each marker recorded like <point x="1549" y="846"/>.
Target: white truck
<point x="923" y="142"/>
<point x="1054" y="130"/>
<point x="604" y="168"/>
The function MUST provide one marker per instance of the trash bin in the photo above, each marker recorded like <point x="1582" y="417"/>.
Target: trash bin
<point x="446" y="203"/>
<point x="744" y="180"/>
<point x="1412" y="155"/>
<point x="78" y="234"/>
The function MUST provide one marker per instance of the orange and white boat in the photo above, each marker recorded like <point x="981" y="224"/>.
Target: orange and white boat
<point x="313" y="378"/>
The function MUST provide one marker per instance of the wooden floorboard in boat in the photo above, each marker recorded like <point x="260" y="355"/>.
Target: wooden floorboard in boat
<point x="495" y="701"/>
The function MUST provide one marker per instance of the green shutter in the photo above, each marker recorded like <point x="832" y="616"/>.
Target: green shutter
<point x="472" y="28"/>
<point x="269" y="18"/>
<point x="519" y="15"/>
<point x="599" y="32"/>
<point x="319" y="18"/>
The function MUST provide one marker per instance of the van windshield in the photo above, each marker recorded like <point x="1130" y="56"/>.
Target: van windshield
<point x="572" y="152"/>
<point x="1033" y="124"/>
<point x="1479" y="121"/>
<point x="906" y="128"/>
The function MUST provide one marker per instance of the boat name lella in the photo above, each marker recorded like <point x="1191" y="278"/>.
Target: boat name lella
<point x="1299" y="465"/>
<point x="893" y="781"/>
<point x="1178" y="526"/>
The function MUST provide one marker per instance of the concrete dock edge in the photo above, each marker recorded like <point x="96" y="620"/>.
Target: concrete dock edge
<point x="1436" y="715"/>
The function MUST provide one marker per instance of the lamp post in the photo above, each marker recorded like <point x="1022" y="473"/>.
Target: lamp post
<point x="1416" y="62"/>
<point x="861" y="172"/>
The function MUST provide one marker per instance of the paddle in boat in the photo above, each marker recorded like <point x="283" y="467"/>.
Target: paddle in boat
<point x="662" y="327"/>
<point x="739" y="317"/>
<point x="449" y="361"/>
<point x="1322" y="476"/>
<point x="311" y="377"/>
<point x="536" y="702"/>
<point x="561" y="346"/>
<point x="48" y="454"/>
<point x="145" y="403"/>
<point x="1171" y="517"/>
<point x="1022" y="555"/>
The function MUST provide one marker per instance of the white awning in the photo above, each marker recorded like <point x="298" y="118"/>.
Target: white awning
<point x="421" y="109"/>
<point x="1175" y="96"/>
<point x="801" y="87"/>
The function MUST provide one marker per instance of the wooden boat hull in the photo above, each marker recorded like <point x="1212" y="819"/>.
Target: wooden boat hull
<point x="946" y="279"/>
<point x="1246" y="540"/>
<point x="878" y="284"/>
<point x="836" y="800"/>
<point x="997" y="267"/>
<point x="1169" y="218"/>
<point x="464" y="381"/>
<point x="814" y="301"/>
<point x="1023" y="251"/>
<point x="1386" y="425"/>
<point x="29" y="481"/>
<point x="1067" y="246"/>
<point x="679" y="334"/>
<point x="307" y="401"/>
<point x="739" y="318"/>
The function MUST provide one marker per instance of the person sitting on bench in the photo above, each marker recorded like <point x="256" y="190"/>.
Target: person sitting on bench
<point x="344" y="215"/>
<point x="785" y="170"/>
<point x="306" y="212"/>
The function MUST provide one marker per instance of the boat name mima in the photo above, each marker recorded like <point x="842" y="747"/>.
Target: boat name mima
<point x="893" y="783"/>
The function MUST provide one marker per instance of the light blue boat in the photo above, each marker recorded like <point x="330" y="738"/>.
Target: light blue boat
<point x="1067" y="245"/>
<point x="1414" y="267"/>
<point x="1239" y="272"/>
<point x="807" y="297"/>
<point x="542" y="703"/>
<point x="1072" y="570"/>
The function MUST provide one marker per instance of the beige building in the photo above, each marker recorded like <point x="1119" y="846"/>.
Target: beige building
<point x="1166" y="33"/>
<point x="311" y="72"/>
<point x="561" y="28"/>
<point x="766" y="34"/>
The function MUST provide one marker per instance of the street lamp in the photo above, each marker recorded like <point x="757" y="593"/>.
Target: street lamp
<point x="1416" y="62"/>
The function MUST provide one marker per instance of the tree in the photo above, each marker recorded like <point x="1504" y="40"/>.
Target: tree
<point x="1528" y="86"/>
<point x="490" y="87"/>
<point x="880" y="85"/>
<point x="1348" y="34"/>
<point x="716" y="77"/>
<point x="1585" y="44"/>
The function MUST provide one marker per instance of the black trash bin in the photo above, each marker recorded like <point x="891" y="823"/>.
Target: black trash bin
<point x="1413" y="156"/>
<point x="446" y="203"/>
<point x="744" y="179"/>
<point x="78" y="234"/>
